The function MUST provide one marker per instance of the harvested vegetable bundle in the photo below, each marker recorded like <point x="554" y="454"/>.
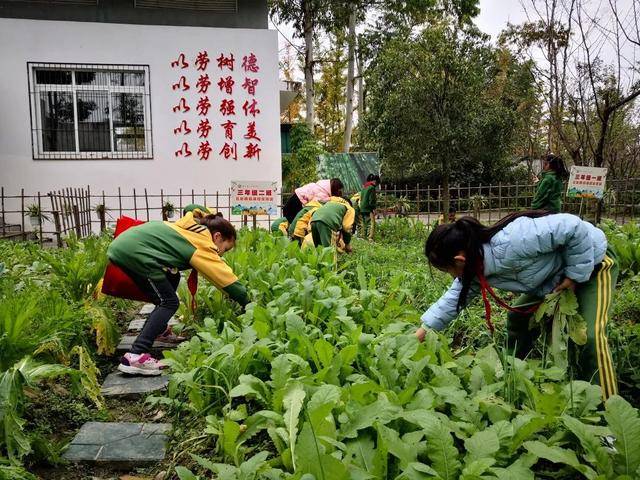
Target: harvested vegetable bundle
<point x="565" y="324"/>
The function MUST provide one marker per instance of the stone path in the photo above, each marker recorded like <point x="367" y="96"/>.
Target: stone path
<point x="127" y="341"/>
<point x="120" y="384"/>
<point x="137" y="323"/>
<point x="124" y="445"/>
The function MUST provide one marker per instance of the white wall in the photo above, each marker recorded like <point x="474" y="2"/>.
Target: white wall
<point x="23" y="41"/>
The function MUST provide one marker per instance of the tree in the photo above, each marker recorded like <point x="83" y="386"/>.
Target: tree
<point x="330" y="94"/>
<point x="305" y="15"/>
<point x="442" y="106"/>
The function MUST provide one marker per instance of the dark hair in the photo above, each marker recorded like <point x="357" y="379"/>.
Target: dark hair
<point x="215" y="223"/>
<point x="466" y="234"/>
<point x="557" y="165"/>
<point x="372" y="177"/>
<point x="336" y="187"/>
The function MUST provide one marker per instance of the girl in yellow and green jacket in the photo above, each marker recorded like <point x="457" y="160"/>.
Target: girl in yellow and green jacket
<point x="280" y="225"/>
<point x="153" y="253"/>
<point x="301" y="225"/>
<point x="337" y="215"/>
<point x="551" y="186"/>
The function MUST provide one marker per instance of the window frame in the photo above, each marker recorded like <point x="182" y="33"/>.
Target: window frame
<point x="37" y="141"/>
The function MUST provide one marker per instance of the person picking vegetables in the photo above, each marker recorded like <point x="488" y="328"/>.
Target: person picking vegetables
<point x="301" y="225"/>
<point x="280" y="225"/>
<point x="337" y="215"/>
<point x="321" y="191"/>
<point x="533" y="253"/>
<point x="153" y="253"/>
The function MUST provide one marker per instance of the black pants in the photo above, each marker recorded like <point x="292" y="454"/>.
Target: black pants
<point x="163" y="295"/>
<point x="291" y="208"/>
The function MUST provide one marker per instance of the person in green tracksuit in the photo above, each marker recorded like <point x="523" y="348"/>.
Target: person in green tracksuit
<point x="280" y="225"/>
<point x="337" y="215"/>
<point x="367" y="203"/>
<point x="551" y="186"/>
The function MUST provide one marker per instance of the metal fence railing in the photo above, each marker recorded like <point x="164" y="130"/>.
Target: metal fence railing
<point x="52" y="215"/>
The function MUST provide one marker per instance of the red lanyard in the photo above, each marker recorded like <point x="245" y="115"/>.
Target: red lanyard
<point x="484" y="288"/>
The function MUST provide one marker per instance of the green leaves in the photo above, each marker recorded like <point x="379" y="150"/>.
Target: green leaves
<point x="566" y="323"/>
<point x="325" y="374"/>
<point x="624" y="422"/>
<point x="293" y="401"/>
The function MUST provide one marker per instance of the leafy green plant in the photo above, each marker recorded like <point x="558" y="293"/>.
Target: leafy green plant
<point x="35" y="212"/>
<point x="168" y="209"/>
<point x="566" y="324"/>
<point x="323" y="376"/>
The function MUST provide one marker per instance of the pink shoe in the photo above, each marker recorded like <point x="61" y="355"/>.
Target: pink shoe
<point x="143" y="364"/>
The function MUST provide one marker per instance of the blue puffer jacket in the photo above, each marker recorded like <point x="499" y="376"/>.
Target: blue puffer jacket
<point x="530" y="255"/>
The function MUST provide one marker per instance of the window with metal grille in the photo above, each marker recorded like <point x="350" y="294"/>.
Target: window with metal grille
<point x="83" y="111"/>
<point x="217" y="6"/>
<point x="59" y="2"/>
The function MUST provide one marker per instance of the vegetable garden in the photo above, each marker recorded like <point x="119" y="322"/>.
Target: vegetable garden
<point x="320" y="378"/>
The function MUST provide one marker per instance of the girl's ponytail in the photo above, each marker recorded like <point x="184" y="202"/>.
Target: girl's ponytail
<point x="557" y="165"/>
<point x="215" y="223"/>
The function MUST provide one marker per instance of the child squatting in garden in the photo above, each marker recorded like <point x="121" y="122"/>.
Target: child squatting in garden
<point x="153" y="254"/>
<point x="334" y="217"/>
<point x="532" y="253"/>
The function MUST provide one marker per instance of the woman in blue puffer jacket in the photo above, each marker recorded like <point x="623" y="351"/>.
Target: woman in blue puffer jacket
<point x="532" y="253"/>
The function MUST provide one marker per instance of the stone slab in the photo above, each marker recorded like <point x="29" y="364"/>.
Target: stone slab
<point x="120" y="384"/>
<point x="119" y="445"/>
<point x="137" y="323"/>
<point x="126" y="341"/>
<point x="147" y="308"/>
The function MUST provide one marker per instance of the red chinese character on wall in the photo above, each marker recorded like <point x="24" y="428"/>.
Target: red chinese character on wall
<point x="251" y="108"/>
<point x="227" y="107"/>
<point x="183" y="128"/>
<point x="251" y="132"/>
<point x="228" y="129"/>
<point x="204" y="150"/>
<point x="250" y="85"/>
<point x="250" y="63"/>
<point x="204" y="127"/>
<point x="184" y="151"/>
<point x="229" y="151"/>
<point x="226" y="84"/>
<point x="225" y="61"/>
<point x="203" y="83"/>
<point x="180" y="62"/>
<point x="203" y="106"/>
<point x="253" y="150"/>
<point x="202" y="61"/>
<point x="181" y="85"/>
<point x="181" y="106"/>
<point x="269" y="192"/>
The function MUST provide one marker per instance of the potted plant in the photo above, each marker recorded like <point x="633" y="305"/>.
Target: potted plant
<point x="35" y="215"/>
<point x="168" y="209"/>
<point x="100" y="210"/>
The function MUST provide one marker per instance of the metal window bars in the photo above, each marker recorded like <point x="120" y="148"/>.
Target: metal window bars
<point x="90" y="111"/>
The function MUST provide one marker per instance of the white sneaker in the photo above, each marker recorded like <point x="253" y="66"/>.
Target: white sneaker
<point x="143" y="364"/>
